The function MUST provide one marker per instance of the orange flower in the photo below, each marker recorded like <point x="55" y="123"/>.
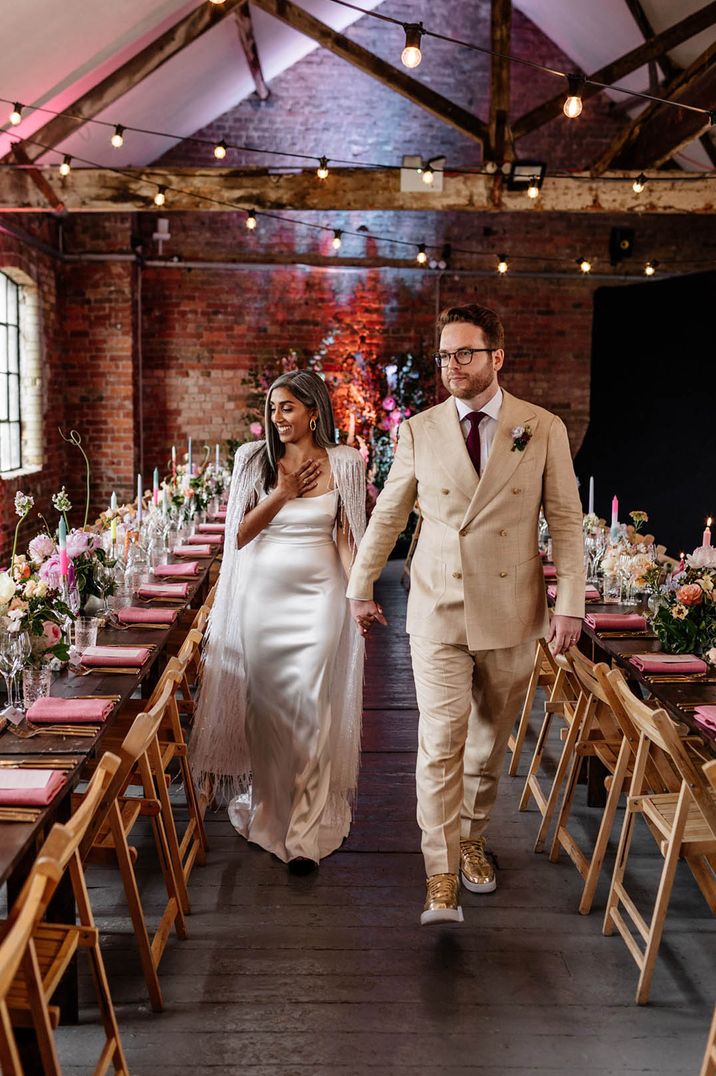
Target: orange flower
<point x="689" y="594"/>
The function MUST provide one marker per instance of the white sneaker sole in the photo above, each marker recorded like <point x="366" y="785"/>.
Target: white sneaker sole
<point x="478" y="887"/>
<point x="441" y="915"/>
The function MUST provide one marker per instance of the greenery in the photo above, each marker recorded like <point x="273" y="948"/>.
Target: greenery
<point x="684" y="617"/>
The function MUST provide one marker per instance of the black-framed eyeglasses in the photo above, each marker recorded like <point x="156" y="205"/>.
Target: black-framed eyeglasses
<point x="463" y="355"/>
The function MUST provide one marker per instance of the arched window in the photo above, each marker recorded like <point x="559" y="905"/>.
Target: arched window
<point x="10" y="411"/>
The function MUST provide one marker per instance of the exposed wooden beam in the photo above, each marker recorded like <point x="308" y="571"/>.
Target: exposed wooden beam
<point x="110" y="89"/>
<point x="663" y="62"/>
<point x="39" y="178"/>
<point x="500" y="148"/>
<point x="372" y="65"/>
<point x="660" y="131"/>
<point x="665" y="41"/>
<point x="245" y="27"/>
<point x="89" y="190"/>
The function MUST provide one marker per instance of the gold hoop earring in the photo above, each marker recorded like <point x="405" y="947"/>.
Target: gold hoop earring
<point x="314" y="425"/>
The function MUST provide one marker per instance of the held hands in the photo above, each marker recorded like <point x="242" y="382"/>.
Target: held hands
<point x="293" y="484"/>
<point x="365" y="614"/>
<point x="563" y="633"/>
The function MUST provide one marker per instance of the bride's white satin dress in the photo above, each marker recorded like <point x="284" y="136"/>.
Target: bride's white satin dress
<point x="291" y="623"/>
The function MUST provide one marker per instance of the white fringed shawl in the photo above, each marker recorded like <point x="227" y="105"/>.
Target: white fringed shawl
<point x="219" y="749"/>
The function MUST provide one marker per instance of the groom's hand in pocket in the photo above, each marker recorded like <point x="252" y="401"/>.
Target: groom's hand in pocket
<point x="365" y="614"/>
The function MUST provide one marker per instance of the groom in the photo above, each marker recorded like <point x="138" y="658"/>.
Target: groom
<point x="481" y="464"/>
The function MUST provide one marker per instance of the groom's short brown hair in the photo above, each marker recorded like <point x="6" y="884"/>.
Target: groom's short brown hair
<point x="475" y="314"/>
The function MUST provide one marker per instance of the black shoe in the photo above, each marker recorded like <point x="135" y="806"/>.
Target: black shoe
<point x="301" y="866"/>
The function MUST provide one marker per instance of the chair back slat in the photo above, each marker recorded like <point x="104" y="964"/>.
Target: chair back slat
<point x="28" y="911"/>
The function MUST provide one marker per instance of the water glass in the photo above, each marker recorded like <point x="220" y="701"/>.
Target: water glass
<point x="611" y="588"/>
<point x="85" y="633"/>
<point x="36" y="684"/>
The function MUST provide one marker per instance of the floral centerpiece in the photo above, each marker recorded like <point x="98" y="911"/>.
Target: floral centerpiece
<point x="30" y="604"/>
<point x="685" y="608"/>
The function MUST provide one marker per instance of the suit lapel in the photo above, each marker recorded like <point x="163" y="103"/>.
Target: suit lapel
<point x="503" y="460"/>
<point x="449" y="449"/>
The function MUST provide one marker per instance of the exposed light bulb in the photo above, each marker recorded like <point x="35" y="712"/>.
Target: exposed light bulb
<point x="533" y="189"/>
<point x="337" y="239"/>
<point x="639" y="183"/>
<point x="66" y="166"/>
<point x="650" y="268"/>
<point x="220" y="150"/>
<point x="572" y="107"/>
<point x="421" y="255"/>
<point x="585" y="265"/>
<point x="322" y="170"/>
<point x="411" y="54"/>
<point x="251" y="220"/>
<point x="117" y="138"/>
<point x="502" y="264"/>
<point x="161" y="196"/>
<point x="16" y="115"/>
<point x="217" y="2"/>
<point x="428" y="175"/>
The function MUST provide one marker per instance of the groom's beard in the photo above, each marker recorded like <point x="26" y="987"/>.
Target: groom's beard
<point x="467" y="385"/>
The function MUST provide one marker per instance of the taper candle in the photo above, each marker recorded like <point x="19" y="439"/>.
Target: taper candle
<point x="707" y="533"/>
<point x="113" y="502"/>
<point x="155" y="486"/>
<point x="174" y="460"/>
<point x="188" y="460"/>
<point x="218" y="457"/>
<point x="351" y="427"/>
<point x="615" y="510"/>
<point x="591" y="495"/>
<point x="62" y="542"/>
<point x="140" y="494"/>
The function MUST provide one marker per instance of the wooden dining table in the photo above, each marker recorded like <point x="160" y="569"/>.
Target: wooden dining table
<point x="20" y="841"/>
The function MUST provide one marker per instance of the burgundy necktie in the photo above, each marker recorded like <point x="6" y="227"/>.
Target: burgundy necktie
<point x="473" y="437"/>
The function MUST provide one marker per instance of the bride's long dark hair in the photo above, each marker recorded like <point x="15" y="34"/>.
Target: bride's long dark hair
<point x="310" y="390"/>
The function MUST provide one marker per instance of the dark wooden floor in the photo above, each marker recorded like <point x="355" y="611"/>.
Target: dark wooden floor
<point x="333" y="974"/>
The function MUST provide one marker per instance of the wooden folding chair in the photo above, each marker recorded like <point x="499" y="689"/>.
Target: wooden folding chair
<point x="568" y="702"/>
<point x="708" y="1068"/>
<point x="106" y="840"/>
<point x="53" y="945"/>
<point x="544" y="673"/>
<point x="682" y="823"/>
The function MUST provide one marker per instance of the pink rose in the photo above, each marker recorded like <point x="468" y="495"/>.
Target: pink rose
<point x="389" y="403"/>
<point x="41" y="547"/>
<point x="689" y="594"/>
<point x="77" y="543"/>
<point x="712" y="655"/>
<point x="256" y="429"/>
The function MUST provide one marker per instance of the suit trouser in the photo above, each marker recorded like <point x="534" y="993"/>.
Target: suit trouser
<point x="468" y="702"/>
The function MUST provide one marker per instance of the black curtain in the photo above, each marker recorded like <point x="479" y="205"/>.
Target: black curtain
<point x="653" y="406"/>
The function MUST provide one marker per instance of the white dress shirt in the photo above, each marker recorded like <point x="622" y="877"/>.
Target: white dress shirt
<point x="488" y="426"/>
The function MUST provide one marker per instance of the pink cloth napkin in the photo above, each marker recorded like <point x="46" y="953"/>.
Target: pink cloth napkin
<point x="136" y="614"/>
<point x="550" y="571"/>
<point x="616" y="621"/>
<point x="212" y="528"/>
<point x="115" y="655"/>
<point x="74" y="711"/>
<point x="192" y="550"/>
<point x="218" y="517"/>
<point x="190" y="568"/>
<point x="163" y="590"/>
<point x="678" y="664"/>
<point x="590" y="593"/>
<point x="706" y="716"/>
<point x="202" y="539"/>
<point x="29" y="788"/>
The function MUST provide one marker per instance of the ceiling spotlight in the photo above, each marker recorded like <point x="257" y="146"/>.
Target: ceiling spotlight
<point x="639" y="183"/>
<point x="650" y="268"/>
<point x="220" y="150"/>
<point x="428" y="175"/>
<point x="251" y="220"/>
<point x="161" y="196"/>
<point x="16" y="115"/>
<point x="585" y="265"/>
<point x="411" y="54"/>
<point x="117" y="138"/>
<point x="66" y="166"/>
<point x="337" y="239"/>
<point x="421" y="255"/>
<point x="572" y="106"/>
<point x="533" y="189"/>
<point x="502" y="265"/>
<point x="322" y="170"/>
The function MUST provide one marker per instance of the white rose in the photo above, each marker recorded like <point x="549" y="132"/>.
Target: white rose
<point x="7" y="587"/>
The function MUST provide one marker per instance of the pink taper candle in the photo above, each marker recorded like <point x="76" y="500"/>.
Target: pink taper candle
<point x="707" y="533"/>
<point x="615" y="510"/>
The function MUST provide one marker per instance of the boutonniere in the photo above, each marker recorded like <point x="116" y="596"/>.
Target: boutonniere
<point x="521" y="436"/>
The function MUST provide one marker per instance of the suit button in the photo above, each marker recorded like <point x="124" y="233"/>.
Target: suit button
<point x="516" y="489"/>
<point x="503" y="534"/>
<point x="445" y="491"/>
<point x="457" y="575"/>
<point x="503" y="575"/>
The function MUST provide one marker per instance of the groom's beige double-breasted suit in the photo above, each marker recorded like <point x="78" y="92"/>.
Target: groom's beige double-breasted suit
<point x="477" y="596"/>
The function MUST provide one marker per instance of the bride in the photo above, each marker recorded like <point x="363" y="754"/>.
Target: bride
<point x="277" y="730"/>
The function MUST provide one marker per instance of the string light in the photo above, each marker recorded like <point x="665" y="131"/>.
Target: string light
<point x="421" y="255"/>
<point x="251" y="220"/>
<point x="217" y="2"/>
<point x="533" y="189"/>
<point x="161" y="196"/>
<point x="117" y="138"/>
<point x="220" y="150"/>
<point x="572" y="107"/>
<point x="66" y="166"/>
<point x="411" y="54"/>
<point x="16" y="115"/>
<point x="322" y="170"/>
<point x="428" y="175"/>
<point x="585" y="265"/>
<point x="650" y="268"/>
<point x="502" y="264"/>
<point x="337" y="239"/>
<point x="639" y="183"/>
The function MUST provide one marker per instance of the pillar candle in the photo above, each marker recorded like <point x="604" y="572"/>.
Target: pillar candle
<point x="113" y="502"/>
<point x="155" y="486"/>
<point x="591" y="495"/>
<point x="615" y="510"/>
<point x="62" y="533"/>
<point x="174" y="460"/>
<point x="707" y="533"/>
<point x="188" y="460"/>
<point x="140" y="494"/>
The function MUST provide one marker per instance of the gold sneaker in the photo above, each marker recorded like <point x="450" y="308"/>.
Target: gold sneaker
<point x="476" y="870"/>
<point x="441" y="901"/>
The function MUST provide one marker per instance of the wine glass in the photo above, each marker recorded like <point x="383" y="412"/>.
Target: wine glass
<point x="104" y="580"/>
<point x="15" y="649"/>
